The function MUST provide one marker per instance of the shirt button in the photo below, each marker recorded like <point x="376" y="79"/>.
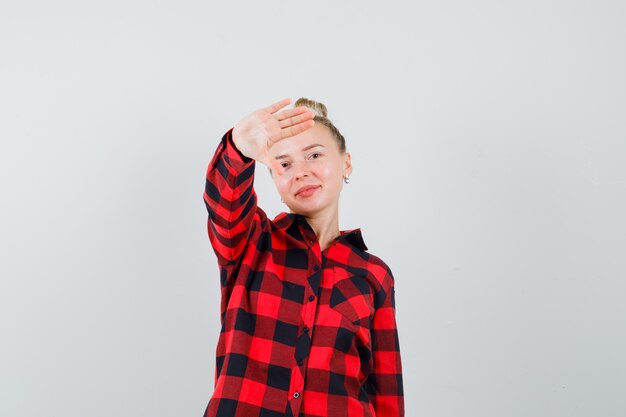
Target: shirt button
<point x="311" y="297"/>
<point x="306" y="330"/>
<point x="316" y="267"/>
<point x="300" y="363"/>
<point x="296" y="394"/>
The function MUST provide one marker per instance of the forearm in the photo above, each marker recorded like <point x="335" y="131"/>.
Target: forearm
<point x="230" y="200"/>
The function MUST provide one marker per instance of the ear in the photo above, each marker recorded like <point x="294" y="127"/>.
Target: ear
<point x="347" y="164"/>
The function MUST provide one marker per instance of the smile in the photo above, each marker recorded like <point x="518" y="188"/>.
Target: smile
<point x="307" y="191"/>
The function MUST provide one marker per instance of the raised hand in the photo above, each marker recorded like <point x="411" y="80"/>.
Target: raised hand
<point x="255" y="134"/>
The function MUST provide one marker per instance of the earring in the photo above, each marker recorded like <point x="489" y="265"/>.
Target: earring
<point x="346" y="179"/>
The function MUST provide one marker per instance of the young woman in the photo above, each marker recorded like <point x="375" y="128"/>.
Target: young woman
<point x="307" y="314"/>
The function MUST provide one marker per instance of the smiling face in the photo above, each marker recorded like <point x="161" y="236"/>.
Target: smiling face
<point x="308" y="171"/>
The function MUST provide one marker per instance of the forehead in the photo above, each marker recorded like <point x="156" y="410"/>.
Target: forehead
<point x="318" y="134"/>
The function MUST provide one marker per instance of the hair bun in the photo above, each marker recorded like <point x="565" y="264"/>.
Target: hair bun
<point x="316" y="107"/>
<point x="321" y="117"/>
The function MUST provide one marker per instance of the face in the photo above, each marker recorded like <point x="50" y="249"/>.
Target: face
<point x="308" y="171"/>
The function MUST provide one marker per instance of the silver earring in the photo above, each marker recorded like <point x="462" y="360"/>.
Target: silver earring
<point x="346" y="179"/>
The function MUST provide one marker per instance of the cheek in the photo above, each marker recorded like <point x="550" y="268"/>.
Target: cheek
<point x="282" y="184"/>
<point x="330" y="173"/>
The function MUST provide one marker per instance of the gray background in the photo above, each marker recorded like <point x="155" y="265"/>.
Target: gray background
<point x="489" y="148"/>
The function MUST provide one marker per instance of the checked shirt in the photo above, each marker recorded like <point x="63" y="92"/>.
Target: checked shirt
<point x="304" y="332"/>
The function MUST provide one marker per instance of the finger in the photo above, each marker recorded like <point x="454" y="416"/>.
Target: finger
<point x="278" y="105"/>
<point x="295" y="129"/>
<point x="290" y="112"/>
<point x="297" y="119"/>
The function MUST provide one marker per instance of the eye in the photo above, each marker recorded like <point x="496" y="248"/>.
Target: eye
<point x="316" y="155"/>
<point x="284" y="164"/>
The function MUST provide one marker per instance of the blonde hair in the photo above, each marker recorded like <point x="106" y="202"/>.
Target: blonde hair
<point x="321" y="116"/>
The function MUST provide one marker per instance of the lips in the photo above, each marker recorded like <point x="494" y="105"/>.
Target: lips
<point x="307" y="190"/>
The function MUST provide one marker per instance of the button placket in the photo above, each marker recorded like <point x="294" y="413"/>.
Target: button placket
<point x="308" y="317"/>
<point x="309" y="308"/>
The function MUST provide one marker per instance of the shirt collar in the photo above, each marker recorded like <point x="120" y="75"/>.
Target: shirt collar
<point x="353" y="236"/>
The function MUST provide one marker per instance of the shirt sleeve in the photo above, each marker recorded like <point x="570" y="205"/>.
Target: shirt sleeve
<point x="384" y="384"/>
<point x="230" y="200"/>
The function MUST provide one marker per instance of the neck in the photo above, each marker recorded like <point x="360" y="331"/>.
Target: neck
<point x="325" y="226"/>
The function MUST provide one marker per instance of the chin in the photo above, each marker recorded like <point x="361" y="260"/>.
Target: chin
<point x="299" y="210"/>
<point x="305" y="210"/>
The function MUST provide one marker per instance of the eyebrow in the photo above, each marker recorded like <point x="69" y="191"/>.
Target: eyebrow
<point x="303" y="150"/>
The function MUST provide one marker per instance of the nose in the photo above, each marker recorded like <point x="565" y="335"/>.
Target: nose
<point x="301" y="175"/>
<point x="300" y="171"/>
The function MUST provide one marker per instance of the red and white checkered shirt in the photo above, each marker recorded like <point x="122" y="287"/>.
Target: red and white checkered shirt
<point x="305" y="332"/>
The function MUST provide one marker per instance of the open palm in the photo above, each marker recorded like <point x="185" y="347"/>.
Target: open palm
<point x="255" y="134"/>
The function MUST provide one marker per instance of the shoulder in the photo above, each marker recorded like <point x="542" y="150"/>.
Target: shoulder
<point x="378" y="274"/>
<point x="380" y="270"/>
<point x="353" y="252"/>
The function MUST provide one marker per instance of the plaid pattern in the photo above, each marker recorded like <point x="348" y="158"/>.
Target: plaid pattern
<point x="304" y="333"/>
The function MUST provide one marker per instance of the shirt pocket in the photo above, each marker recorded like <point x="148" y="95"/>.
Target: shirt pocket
<point x="352" y="296"/>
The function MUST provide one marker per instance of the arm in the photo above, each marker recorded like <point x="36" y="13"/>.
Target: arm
<point x="230" y="200"/>
<point x="384" y="384"/>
